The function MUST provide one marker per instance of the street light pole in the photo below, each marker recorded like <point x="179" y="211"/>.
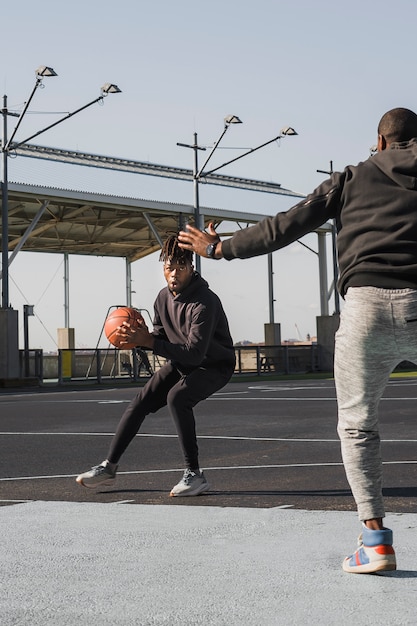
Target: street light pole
<point x="99" y="99"/>
<point x="334" y="251"/>
<point x="196" y="205"/>
<point x="7" y="145"/>
<point x="5" y="215"/>
<point x="41" y="71"/>
<point x="288" y="131"/>
<point x="196" y="148"/>
<point x="199" y="173"/>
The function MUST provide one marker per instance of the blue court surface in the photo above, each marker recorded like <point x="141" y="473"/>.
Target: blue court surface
<point x="263" y="546"/>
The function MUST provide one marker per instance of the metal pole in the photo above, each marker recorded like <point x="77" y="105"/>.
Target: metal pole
<point x="26" y="338"/>
<point x="128" y="282"/>
<point x="28" y="231"/>
<point x="334" y="252"/>
<point x="5" y="215"/>
<point x="335" y="269"/>
<point x="243" y="155"/>
<point x="196" y="177"/>
<point x="271" y="289"/>
<point x="324" y="302"/>
<point x="66" y="290"/>
<point x="22" y="114"/>
<point x="40" y="132"/>
<point x="197" y="220"/>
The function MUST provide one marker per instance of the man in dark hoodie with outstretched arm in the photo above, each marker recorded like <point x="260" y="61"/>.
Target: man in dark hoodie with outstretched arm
<point x="191" y="331"/>
<point x="375" y="208"/>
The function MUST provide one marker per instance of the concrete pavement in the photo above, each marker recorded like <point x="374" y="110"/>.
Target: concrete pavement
<point x="118" y="564"/>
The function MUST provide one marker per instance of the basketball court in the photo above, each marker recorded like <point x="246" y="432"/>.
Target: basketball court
<point x="262" y="444"/>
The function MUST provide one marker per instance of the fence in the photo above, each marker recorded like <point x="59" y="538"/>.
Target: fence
<point x="284" y="359"/>
<point x="100" y="365"/>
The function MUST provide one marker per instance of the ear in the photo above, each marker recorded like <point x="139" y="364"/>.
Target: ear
<point x="382" y="143"/>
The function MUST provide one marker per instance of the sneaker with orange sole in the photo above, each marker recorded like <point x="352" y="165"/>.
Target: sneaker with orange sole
<point x="374" y="553"/>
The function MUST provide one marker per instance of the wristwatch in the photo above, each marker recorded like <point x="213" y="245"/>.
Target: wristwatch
<point x="211" y="249"/>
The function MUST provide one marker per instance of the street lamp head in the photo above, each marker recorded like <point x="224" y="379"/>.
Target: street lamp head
<point x="43" y="70"/>
<point x="109" y="88"/>
<point x="287" y="130"/>
<point x="232" y="119"/>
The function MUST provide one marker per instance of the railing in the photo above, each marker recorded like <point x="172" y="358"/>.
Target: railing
<point x="283" y="359"/>
<point x="101" y="365"/>
<point x="31" y="364"/>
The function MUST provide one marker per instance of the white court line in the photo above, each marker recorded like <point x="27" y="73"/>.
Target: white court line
<point x="167" y="436"/>
<point x="225" y="437"/>
<point x="217" y="397"/>
<point x="211" y="469"/>
<point x="288" y="399"/>
<point x="274" y="399"/>
<point x="17" y="501"/>
<point x="283" y="388"/>
<point x="223" y="399"/>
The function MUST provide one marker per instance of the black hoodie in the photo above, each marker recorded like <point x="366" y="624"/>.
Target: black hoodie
<point x="375" y="207"/>
<point x="191" y="328"/>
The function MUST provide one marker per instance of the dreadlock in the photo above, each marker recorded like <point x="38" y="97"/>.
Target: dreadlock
<point x="172" y="252"/>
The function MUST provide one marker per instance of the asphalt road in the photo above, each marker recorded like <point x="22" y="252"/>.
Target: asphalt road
<point x="262" y="444"/>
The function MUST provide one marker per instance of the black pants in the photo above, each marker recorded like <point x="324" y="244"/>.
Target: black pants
<point x="168" y="387"/>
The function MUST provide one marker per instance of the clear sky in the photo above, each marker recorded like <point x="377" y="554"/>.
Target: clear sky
<point x="328" y="69"/>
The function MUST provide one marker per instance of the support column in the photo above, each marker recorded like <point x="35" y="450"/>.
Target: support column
<point x="327" y="326"/>
<point x="66" y="292"/>
<point x="324" y="301"/>
<point x="9" y="344"/>
<point x="128" y="282"/>
<point x="272" y="334"/>
<point x="66" y="343"/>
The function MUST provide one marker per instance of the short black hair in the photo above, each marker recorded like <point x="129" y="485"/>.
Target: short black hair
<point x="172" y="252"/>
<point x="398" y="125"/>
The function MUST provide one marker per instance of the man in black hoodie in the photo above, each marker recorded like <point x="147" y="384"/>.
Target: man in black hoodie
<point x="375" y="208"/>
<point x="191" y="331"/>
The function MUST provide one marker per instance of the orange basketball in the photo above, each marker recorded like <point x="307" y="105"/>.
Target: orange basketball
<point x="116" y="319"/>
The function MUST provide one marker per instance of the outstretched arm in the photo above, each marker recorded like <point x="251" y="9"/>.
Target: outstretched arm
<point x="197" y="241"/>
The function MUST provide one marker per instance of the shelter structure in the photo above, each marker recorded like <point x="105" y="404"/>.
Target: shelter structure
<point x="66" y="221"/>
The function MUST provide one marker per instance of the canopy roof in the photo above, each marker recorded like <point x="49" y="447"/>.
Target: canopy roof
<point x="43" y="219"/>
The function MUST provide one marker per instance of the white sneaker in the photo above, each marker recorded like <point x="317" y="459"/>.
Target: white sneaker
<point x="191" y="484"/>
<point x="98" y="475"/>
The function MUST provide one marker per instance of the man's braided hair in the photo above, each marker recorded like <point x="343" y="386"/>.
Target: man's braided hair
<point x="172" y="252"/>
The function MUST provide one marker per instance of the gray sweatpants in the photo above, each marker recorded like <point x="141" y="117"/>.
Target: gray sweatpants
<point x="378" y="330"/>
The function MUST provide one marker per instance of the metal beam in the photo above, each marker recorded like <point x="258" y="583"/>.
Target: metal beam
<point x="28" y="231"/>
<point x="153" y="228"/>
<point x="150" y="169"/>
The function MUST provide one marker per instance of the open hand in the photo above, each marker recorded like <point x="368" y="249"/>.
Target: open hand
<point x="197" y="240"/>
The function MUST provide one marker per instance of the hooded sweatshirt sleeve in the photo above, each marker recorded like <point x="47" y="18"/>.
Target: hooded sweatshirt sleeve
<point x="273" y="233"/>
